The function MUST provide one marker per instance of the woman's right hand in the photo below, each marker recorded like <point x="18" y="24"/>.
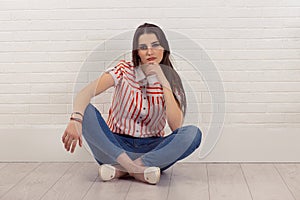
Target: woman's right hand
<point x="72" y="134"/>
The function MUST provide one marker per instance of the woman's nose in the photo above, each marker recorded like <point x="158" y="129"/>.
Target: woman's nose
<point x="149" y="51"/>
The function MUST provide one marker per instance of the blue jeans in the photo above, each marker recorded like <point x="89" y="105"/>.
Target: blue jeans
<point x="161" y="152"/>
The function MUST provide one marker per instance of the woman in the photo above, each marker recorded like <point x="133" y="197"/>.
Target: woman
<point x="148" y="92"/>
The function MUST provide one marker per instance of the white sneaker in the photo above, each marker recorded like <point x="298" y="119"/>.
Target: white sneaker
<point x="152" y="175"/>
<point x="107" y="172"/>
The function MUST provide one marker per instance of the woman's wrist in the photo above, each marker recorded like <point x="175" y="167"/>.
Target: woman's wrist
<point x="76" y="116"/>
<point x="163" y="80"/>
<point x="76" y="119"/>
<point x="165" y="83"/>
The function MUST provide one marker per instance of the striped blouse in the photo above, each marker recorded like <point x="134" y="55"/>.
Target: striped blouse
<point x="138" y="106"/>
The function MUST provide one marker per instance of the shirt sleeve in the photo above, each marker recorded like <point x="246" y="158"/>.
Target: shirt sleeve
<point x="116" y="72"/>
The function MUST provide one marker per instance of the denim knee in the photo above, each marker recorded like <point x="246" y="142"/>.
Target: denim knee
<point x="193" y="135"/>
<point x="89" y="117"/>
<point x="89" y="110"/>
<point x="87" y="114"/>
<point x="190" y="138"/>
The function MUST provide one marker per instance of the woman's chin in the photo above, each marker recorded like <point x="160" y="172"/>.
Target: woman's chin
<point x="152" y="62"/>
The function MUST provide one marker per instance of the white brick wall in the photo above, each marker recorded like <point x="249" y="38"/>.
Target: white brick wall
<point x="254" y="44"/>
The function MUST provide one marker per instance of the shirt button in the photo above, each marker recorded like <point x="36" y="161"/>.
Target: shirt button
<point x="138" y="122"/>
<point x="144" y="108"/>
<point x="144" y="97"/>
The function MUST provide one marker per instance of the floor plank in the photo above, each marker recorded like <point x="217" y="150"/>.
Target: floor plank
<point x="226" y="182"/>
<point x="189" y="181"/>
<point x="265" y="182"/>
<point x="291" y="175"/>
<point x="183" y="181"/>
<point x="12" y="173"/>
<point x="37" y="182"/>
<point x="75" y="183"/>
<point x="115" y="189"/>
<point x="143" y="191"/>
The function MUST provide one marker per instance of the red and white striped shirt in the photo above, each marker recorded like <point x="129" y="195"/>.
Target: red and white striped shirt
<point x="138" y="106"/>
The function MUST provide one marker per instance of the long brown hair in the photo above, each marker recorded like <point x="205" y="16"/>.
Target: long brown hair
<point x="167" y="67"/>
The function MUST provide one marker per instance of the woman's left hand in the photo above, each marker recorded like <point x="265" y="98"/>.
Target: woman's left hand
<point x="155" y="69"/>
<point x="151" y="69"/>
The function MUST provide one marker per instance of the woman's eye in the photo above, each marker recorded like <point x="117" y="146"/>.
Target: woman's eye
<point x="143" y="47"/>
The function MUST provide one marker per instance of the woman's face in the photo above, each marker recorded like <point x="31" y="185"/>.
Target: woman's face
<point x="149" y="49"/>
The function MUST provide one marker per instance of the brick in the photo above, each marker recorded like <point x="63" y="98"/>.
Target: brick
<point x="13" y="108"/>
<point x="47" y="109"/>
<point x="12" y="88"/>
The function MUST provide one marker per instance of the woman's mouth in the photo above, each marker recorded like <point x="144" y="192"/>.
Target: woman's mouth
<point x="151" y="59"/>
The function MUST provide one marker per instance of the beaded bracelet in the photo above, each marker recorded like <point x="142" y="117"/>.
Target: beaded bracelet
<point x="76" y="119"/>
<point x="77" y="113"/>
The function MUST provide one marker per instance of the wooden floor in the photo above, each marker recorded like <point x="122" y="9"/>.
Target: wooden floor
<point x="50" y="181"/>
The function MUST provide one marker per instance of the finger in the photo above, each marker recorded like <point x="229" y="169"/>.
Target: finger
<point x="66" y="139"/>
<point x="74" y="142"/>
<point x="64" y="136"/>
<point x="66" y="144"/>
<point x="69" y="143"/>
<point x="145" y="66"/>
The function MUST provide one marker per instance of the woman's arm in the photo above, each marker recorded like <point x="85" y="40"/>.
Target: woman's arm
<point x="73" y="132"/>
<point x="173" y="111"/>
<point x="95" y="88"/>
